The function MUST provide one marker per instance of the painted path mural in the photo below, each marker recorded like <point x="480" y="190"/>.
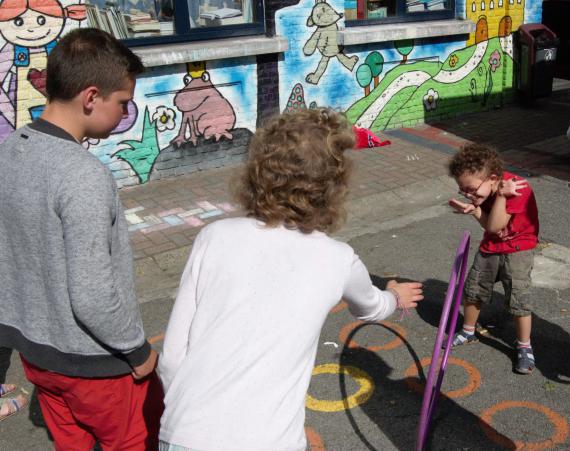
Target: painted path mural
<point x="472" y="72"/>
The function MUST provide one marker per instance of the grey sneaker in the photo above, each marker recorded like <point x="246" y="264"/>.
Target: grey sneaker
<point x="525" y="361"/>
<point x="461" y="338"/>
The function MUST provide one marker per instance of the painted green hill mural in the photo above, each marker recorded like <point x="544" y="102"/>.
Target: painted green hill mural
<point x="468" y="80"/>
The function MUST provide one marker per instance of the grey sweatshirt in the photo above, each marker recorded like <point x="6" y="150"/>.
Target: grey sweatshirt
<point x="67" y="297"/>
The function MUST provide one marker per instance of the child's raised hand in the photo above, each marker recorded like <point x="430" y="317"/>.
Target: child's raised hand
<point x="409" y="293"/>
<point x="462" y="207"/>
<point x="509" y="188"/>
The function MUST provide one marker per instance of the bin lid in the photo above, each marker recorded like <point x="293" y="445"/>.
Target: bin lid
<point x="532" y="31"/>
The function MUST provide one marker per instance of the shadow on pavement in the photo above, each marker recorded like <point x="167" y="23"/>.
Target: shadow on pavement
<point x="395" y="408"/>
<point x="550" y="341"/>
<point x="526" y="136"/>
<point x="5" y="355"/>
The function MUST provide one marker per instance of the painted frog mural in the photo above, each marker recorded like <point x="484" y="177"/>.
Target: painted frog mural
<point x="205" y="112"/>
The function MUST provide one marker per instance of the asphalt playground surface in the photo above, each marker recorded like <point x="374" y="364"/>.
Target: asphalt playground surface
<point x="366" y="391"/>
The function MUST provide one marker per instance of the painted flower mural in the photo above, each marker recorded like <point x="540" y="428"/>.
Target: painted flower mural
<point x="495" y="60"/>
<point x="453" y="60"/>
<point x="164" y="118"/>
<point x="430" y="100"/>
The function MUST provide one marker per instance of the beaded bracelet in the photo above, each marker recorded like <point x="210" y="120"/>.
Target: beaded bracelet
<point x="399" y="304"/>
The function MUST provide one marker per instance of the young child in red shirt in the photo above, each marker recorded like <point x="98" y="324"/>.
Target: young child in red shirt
<point x="505" y="206"/>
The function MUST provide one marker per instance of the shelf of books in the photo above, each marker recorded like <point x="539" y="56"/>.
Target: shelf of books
<point x="127" y="25"/>
<point x="415" y="6"/>
<point x="145" y="18"/>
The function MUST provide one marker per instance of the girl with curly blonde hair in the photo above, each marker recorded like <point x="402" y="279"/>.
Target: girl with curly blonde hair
<point x="243" y="334"/>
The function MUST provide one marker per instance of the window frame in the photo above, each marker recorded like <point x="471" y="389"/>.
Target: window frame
<point x="183" y="32"/>
<point x="404" y="17"/>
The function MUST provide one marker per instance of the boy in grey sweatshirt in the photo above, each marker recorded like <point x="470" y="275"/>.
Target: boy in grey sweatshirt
<point x="68" y="301"/>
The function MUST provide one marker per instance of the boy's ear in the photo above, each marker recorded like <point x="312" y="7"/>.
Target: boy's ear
<point x="88" y="96"/>
<point x="494" y="177"/>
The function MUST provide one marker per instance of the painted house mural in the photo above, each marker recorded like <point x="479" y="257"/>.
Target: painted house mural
<point x="188" y="117"/>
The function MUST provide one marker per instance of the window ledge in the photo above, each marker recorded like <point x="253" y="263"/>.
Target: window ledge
<point x="187" y="52"/>
<point x="397" y="32"/>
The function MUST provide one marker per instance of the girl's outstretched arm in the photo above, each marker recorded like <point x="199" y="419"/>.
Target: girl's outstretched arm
<point x="368" y="303"/>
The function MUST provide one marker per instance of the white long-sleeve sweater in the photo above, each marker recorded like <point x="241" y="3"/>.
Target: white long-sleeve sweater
<point x="243" y="334"/>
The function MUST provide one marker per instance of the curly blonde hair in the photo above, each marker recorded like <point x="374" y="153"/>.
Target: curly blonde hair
<point x="473" y="158"/>
<point x="297" y="173"/>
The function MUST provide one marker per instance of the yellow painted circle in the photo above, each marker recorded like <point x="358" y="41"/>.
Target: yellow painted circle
<point x="364" y="392"/>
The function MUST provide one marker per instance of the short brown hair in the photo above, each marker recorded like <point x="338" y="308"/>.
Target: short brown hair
<point x="89" y="57"/>
<point x="473" y="158"/>
<point x="297" y="173"/>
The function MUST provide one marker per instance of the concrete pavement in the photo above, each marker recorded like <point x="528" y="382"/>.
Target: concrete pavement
<point x="400" y="225"/>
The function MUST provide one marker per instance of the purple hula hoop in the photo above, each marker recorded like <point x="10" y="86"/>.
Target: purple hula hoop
<point x="432" y="390"/>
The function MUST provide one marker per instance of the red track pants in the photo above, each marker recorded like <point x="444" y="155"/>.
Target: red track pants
<point x="118" y="412"/>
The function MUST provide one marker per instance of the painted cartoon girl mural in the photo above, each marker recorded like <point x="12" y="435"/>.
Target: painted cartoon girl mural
<point x="30" y="28"/>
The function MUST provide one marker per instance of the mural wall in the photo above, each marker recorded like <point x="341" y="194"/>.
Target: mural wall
<point x="397" y="84"/>
<point x="194" y="116"/>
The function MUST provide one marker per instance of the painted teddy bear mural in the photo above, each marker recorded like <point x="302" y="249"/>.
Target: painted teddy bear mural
<point x="325" y="18"/>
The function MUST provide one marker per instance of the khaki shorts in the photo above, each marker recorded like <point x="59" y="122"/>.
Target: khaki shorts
<point x="512" y="270"/>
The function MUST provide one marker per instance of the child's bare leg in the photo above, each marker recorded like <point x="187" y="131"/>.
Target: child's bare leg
<point x="471" y="311"/>
<point x="523" y="325"/>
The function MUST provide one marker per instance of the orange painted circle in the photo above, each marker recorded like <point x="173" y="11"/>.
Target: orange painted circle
<point x="473" y="384"/>
<point x="348" y="328"/>
<point x="339" y="307"/>
<point x="558" y="421"/>
<point x="314" y="440"/>
<point x="156" y="339"/>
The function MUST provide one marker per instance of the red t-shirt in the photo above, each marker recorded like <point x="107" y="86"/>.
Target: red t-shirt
<point x="521" y="233"/>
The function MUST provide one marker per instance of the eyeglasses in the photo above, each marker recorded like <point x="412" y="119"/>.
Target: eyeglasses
<point x="472" y="193"/>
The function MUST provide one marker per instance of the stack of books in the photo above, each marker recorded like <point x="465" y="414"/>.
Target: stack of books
<point x="222" y="16"/>
<point x="139" y="22"/>
<point x="108" y="19"/>
<point x="425" y="5"/>
<point x="222" y="13"/>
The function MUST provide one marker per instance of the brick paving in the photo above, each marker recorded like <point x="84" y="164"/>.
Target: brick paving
<point x="167" y="214"/>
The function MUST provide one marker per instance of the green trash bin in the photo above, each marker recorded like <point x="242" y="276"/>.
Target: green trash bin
<point x="537" y="60"/>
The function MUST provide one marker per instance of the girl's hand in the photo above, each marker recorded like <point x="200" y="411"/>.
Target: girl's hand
<point x="509" y="188"/>
<point x="409" y="293"/>
<point x="462" y="207"/>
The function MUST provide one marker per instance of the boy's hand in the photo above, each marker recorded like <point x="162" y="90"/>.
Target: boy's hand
<point x="410" y="293"/>
<point x="142" y="371"/>
<point x="509" y="188"/>
<point x="462" y="207"/>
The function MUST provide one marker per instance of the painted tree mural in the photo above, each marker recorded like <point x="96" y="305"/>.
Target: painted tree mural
<point x="364" y="77"/>
<point x="404" y="48"/>
<point x="375" y="61"/>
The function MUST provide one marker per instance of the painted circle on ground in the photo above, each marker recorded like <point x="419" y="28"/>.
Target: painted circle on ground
<point x="397" y="341"/>
<point x="314" y="440"/>
<point x="339" y="307"/>
<point x="362" y="378"/>
<point x="473" y="384"/>
<point x="558" y="422"/>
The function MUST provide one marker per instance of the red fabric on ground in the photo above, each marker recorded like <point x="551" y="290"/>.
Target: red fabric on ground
<point x="366" y="139"/>
<point x="119" y="412"/>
